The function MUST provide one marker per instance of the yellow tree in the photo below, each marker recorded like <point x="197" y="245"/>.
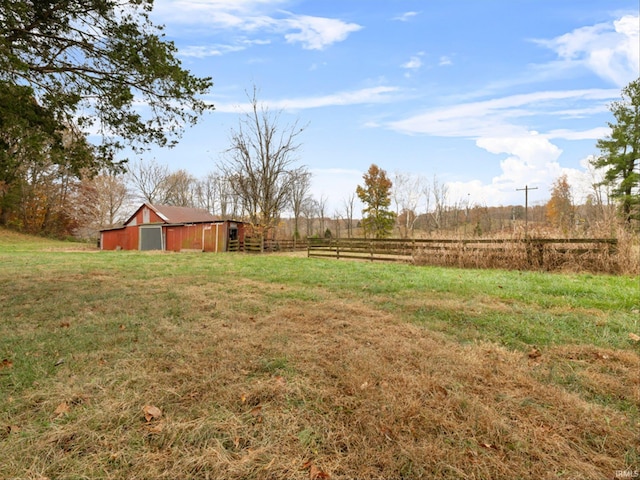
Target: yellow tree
<point x="560" y="210"/>
<point x="376" y="195"/>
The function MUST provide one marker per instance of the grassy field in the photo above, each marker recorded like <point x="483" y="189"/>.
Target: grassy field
<point x="192" y="366"/>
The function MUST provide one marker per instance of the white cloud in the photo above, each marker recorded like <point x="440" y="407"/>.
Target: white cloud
<point x="202" y="51"/>
<point x="254" y="16"/>
<point x="532" y="159"/>
<point x="445" y="61"/>
<point x="405" y="17"/>
<point x="414" y="63"/>
<point x="591" y="134"/>
<point x="316" y="33"/>
<point x="497" y="116"/>
<point x="501" y="126"/>
<point x="366" y="95"/>
<point x="611" y="50"/>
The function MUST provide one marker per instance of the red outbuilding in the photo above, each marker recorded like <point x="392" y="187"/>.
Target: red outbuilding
<point x="163" y="227"/>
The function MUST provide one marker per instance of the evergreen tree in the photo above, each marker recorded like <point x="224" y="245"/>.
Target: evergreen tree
<point x="620" y="152"/>
<point x="95" y="62"/>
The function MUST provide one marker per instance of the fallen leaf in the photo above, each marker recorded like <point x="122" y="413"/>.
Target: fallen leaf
<point x="364" y="386"/>
<point x="13" y="429"/>
<point x="59" y="362"/>
<point x="65" y="325"/>
<point x="307" y="464"/>
<point x="534" y="353"/>
<point x="6" y="363"/>
<point x="151" y="412"/>
<point x="281" y="381"/>
<point x="243" y="398"/>
<point x="315" y="473"/>
<point x="61" y="409"/>
<point x="257" y="412"/>
<point x="122" y="327"/>
<point x="155" y="428"/>
<point x="634" y="337"/>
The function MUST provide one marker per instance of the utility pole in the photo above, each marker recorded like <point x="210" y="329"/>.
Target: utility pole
<point x="526" y="207"/>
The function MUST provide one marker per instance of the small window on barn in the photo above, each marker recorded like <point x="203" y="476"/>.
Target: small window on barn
<point x="146" y="215"/>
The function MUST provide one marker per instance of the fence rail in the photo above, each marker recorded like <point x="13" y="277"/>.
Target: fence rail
<point x="547" y="253"/>
<point x="258" y="244"/>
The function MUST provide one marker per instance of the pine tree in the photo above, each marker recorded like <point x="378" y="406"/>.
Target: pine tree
<point x="620" y="153"/>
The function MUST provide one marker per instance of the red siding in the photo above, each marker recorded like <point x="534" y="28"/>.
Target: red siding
<point x="183" y="237"/>
<point x="123" y="238"/>
<point x="201" y="236"/>
<point x="145" y="215"/>
<point x="208" y="237"/>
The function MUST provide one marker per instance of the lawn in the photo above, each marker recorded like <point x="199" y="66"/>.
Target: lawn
<point x="150" y="365"/>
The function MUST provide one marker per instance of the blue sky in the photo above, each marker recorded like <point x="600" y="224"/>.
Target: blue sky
<point x="487" y="95"/>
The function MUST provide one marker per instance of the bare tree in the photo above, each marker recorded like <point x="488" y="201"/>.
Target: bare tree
<point x="321" y="208"/>
<point x="103" y="201"/>
<point x="205" y="193"/>
<point x="179" y="189"/>
<point x="299" y="194"/>
<point x="229" y="201"/>
<point x="309" y="211"/>
<point x="349" y="208"/>
<point x="337" y="218"/>
<point x="426" y="195"/>
<point x="260" y="161"/>
<point x="440" y="194"/>
<point x="406" y="194"/>
<point x="148" y="180"/>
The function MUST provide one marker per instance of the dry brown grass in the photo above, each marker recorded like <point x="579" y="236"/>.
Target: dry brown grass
<point x="576" y="257"/>
<point x="252" y="388"/>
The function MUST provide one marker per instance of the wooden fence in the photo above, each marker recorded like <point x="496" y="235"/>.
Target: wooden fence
<point x="257" y="244"/>
<point x="547" y="253"/>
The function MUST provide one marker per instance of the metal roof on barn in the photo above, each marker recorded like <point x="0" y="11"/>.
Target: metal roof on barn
<point x="183" y="214"/>
<point x="177" y="215"/>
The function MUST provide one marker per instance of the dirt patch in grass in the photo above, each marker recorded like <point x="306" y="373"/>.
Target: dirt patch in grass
<point x="255" y="381"/>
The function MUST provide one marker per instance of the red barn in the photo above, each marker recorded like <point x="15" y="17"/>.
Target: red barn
<point x="162" y="227"/>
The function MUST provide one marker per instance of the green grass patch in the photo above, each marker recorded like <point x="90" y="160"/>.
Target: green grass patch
<point x="261" y="363"/>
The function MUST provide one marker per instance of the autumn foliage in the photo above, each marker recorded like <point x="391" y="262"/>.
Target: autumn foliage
<point x="560" y="210"/>
<point x="377" y="220"/>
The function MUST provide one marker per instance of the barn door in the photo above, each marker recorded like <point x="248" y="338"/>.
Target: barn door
<point x="151" y="238"/>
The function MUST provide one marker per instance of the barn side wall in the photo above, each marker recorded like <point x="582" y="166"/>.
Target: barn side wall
<point x="120" y="239"/>
<point x="183" y="237"/>
<point x="207" y="237"/>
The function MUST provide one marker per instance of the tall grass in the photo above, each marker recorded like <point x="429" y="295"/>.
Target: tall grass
<point x="518" y="254"/>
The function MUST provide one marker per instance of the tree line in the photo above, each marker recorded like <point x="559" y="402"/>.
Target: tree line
<point x="70" y="67"/>
<point x="259" y="180"/>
